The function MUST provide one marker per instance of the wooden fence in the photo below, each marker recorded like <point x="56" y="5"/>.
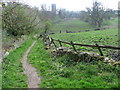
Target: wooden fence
<point x="77" y="44"/>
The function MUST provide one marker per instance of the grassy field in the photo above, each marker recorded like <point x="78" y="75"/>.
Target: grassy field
<point x="63" y="72"/>
<point x="102" y="37"/>
<point x="74" y="25"/>
<point x="12" y="73"/>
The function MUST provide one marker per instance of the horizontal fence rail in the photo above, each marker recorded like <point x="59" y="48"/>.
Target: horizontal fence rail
<point x="86" y="45"/>
<point x="52" y="40"/>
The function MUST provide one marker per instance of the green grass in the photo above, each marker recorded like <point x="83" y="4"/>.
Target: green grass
<point x="74" y="25"/>
<point x="102" y="37"/>
<point x="64" y="72"/>
<point x="12" y="73"/>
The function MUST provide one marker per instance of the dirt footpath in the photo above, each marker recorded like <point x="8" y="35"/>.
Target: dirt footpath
<point x="30" y="71"/>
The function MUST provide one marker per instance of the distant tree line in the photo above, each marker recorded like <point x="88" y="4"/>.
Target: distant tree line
<point x="94" y="16"/>
<point x="63" y="13"/>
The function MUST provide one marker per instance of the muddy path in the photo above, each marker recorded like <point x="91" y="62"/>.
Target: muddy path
<point x="30" y="71"/>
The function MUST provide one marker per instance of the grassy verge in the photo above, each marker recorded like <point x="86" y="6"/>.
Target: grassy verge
<point x="12" y="73"/>
<point x="63" y="72"/>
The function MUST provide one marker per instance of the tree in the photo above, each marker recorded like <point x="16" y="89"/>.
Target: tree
<point x="96" y="14"/>
<point x="62" y="13"/>
<point x="84" y="16"/>
<point x="109" y="13"/>
<point x="19" y="19"/>
<point x="45" y="14"/>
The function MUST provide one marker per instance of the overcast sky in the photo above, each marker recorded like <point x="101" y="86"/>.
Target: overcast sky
<point x="73" y="5"/>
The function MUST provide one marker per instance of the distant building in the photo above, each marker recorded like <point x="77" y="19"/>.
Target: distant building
<point x="54" y="8"/>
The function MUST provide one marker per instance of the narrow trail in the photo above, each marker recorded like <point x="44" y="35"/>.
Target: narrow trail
<point x="30" y="71"/>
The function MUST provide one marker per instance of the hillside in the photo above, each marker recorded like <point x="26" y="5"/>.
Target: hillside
<point x="107" y="36"/>
<point x="73" y="25"/>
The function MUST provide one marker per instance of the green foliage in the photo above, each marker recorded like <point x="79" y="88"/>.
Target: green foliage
<point x="12" y="73"/>
<point x="63" y="72"/>
<point x="19" y="19"/>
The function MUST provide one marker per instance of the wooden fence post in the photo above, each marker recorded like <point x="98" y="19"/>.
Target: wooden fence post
<point x="99" y="50"/>
<point x="60" y="43"/>
<point x="54" y="43"/>
<point x="73" y="46"/>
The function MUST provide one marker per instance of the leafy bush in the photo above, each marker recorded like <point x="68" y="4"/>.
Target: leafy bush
<point x="19" y="19"/>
